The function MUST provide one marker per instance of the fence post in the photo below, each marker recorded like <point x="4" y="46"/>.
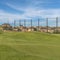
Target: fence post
<point x="56" y="24"/>
<point x="24" y="23"/>
<point x="31" y="24"/>
<point x="38" y="24"/>
<point x="47" y="24"/>
<point x="19" y="22"/>
<point x="14" y="23"/>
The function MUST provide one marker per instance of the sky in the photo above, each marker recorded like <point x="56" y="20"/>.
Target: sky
<point x="28" y="9"/>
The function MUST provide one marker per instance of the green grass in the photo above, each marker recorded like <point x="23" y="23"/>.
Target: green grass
<point x="29" y="46"/>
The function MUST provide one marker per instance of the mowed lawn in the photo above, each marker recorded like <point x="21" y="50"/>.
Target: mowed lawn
<point x="29" y="46"/>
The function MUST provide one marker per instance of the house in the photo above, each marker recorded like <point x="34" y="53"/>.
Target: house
<point x="6" y="26"/>
<point x="44" y="29"/>
<point x="32" y="29"/>
<point x="23" y="28"/>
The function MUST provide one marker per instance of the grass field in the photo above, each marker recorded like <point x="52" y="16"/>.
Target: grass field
<point x="29" y="46"/>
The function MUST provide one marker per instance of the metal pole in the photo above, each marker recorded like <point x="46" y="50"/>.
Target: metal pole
<point x="56" y="24"/>
<point x="31" y="24"/>
<point x="19" y="22"/>
<point x="38" y="24"/>
<point x="24" y="23"/>
<point x="47" y="24"/>
<point x="14" y="23"/>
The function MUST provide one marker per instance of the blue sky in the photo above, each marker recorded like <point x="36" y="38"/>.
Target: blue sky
<point x="28" y="9"/>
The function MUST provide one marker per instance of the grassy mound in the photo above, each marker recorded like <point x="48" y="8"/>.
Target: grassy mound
<point x="29" y="46"/>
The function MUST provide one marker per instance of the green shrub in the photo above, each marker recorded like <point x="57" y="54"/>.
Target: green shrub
<point x="56" y="32"/>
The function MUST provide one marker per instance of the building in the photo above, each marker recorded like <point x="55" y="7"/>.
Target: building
<point x="6" y="26"/>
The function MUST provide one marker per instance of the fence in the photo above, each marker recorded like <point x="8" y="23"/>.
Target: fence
<point x="43" y="22"/>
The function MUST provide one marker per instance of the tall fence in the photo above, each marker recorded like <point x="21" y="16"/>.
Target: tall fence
<point x="34" y="22"/>
<point x="43" y="22"/>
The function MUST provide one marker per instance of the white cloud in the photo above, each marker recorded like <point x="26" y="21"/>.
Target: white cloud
<point x="14" y="6"/>
<point x="33" y="12"/>
<point x="29" y="13"/>
<point x="44" y="13"/>
<point x="11" y="17"/>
